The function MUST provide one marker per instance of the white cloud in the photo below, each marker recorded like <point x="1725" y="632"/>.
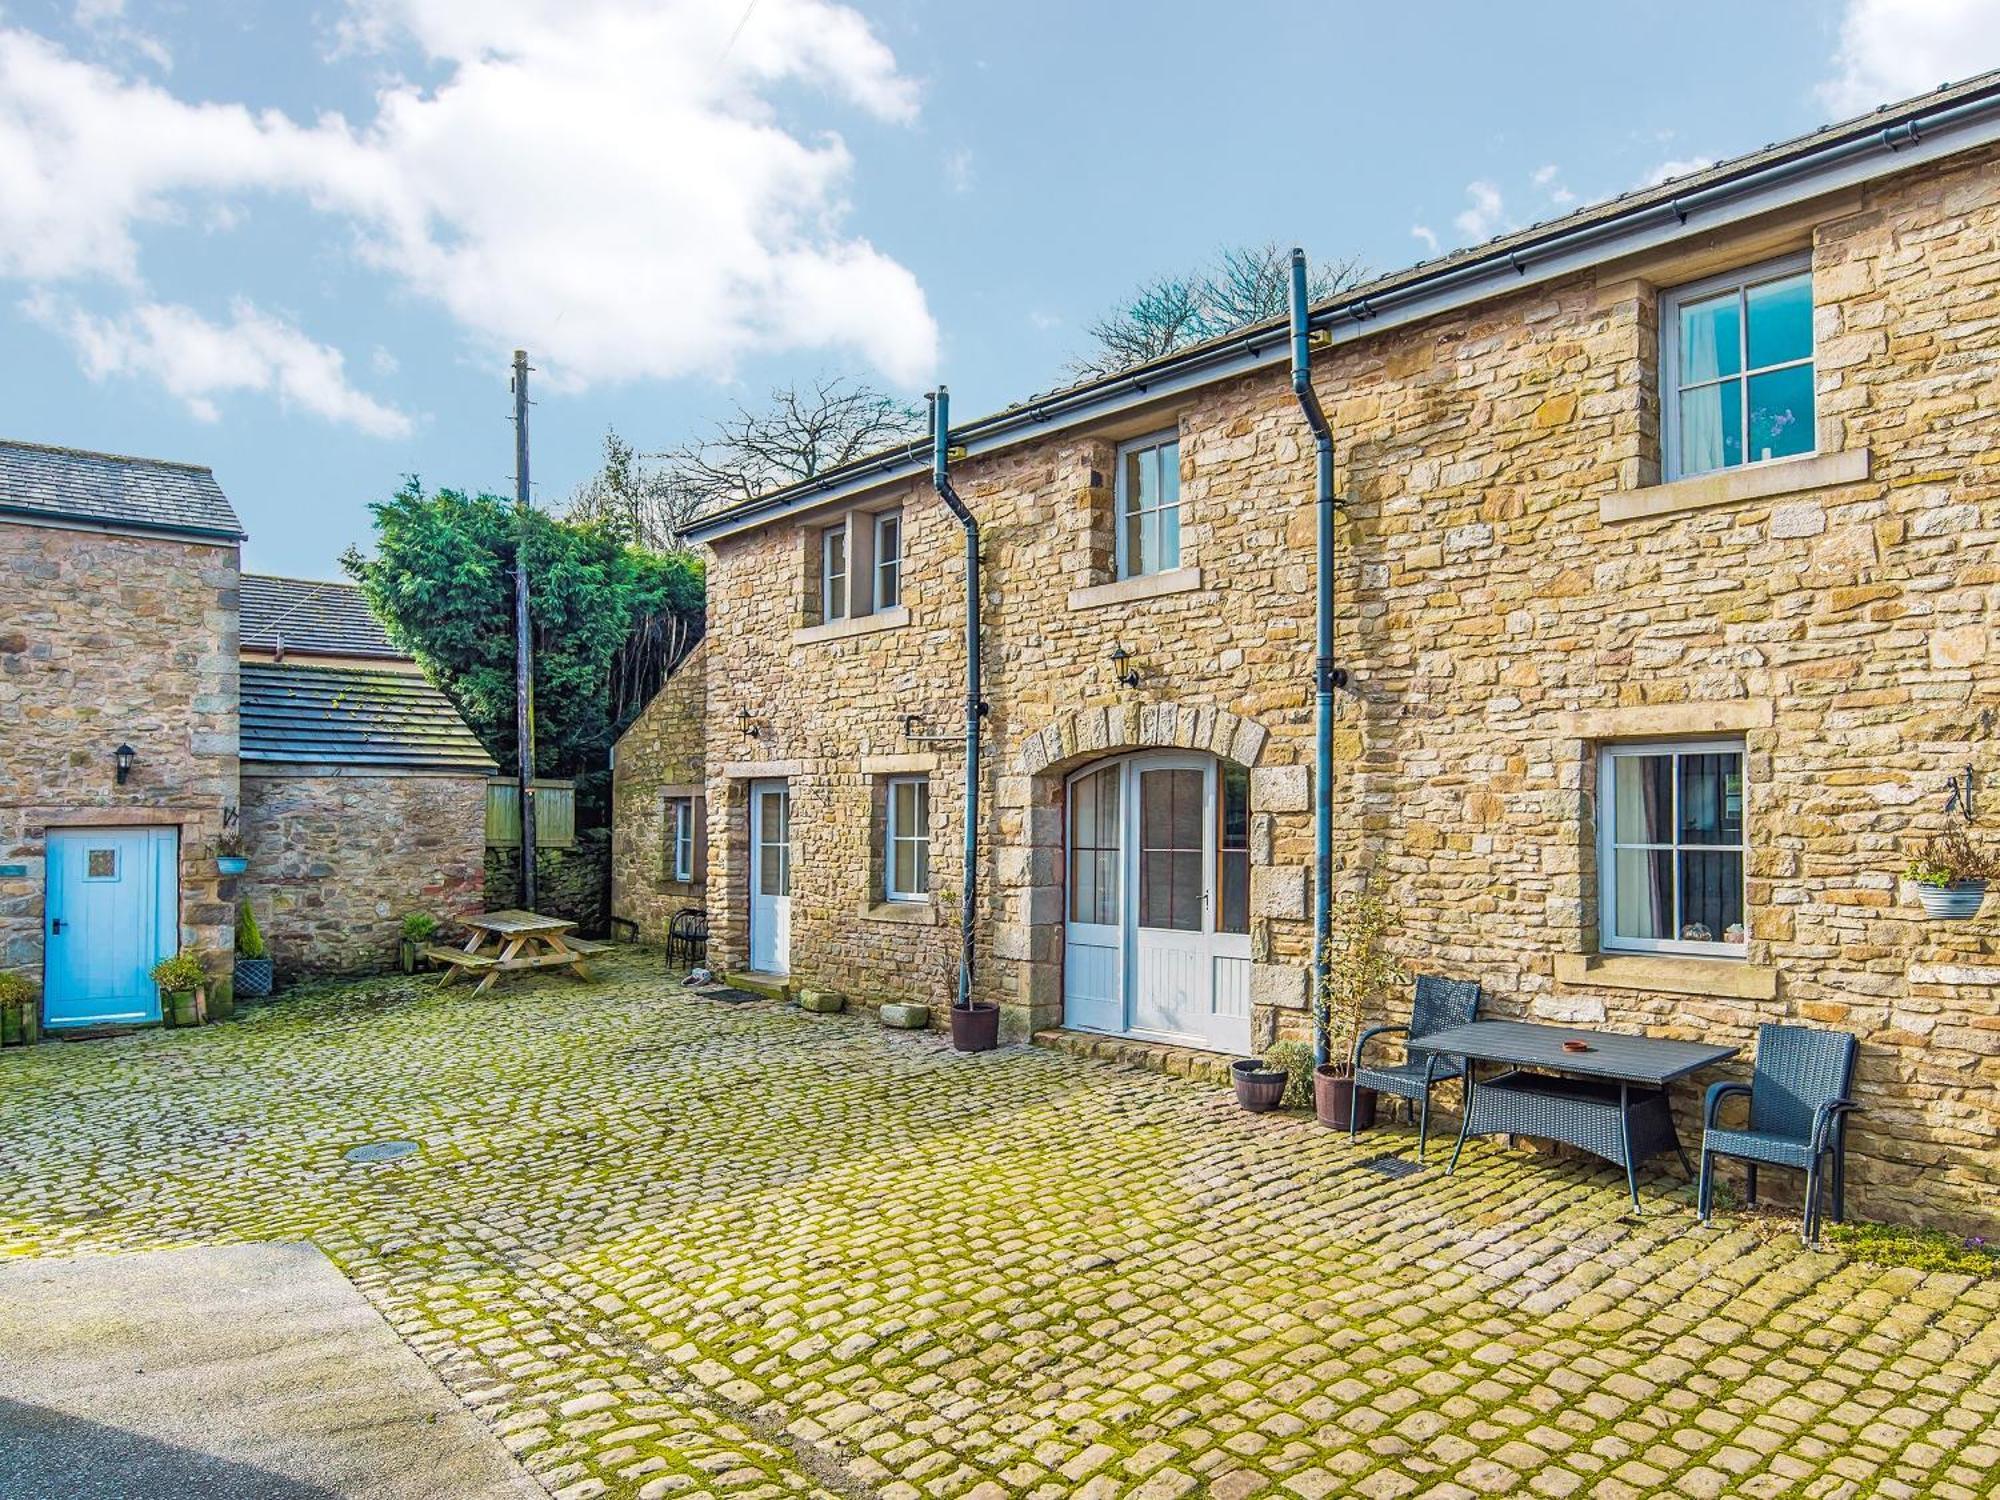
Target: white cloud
<point x="958" y="171"/>
<point x="1428" y="235"/>
<point x="1671" y="169"/>
<point x="104" y="21"/>
<point x="1893" y="49"/>
<point x="1549" y="180"/>
<point x="1484" y="212"/>
<point x="197" y="361"/>
<point x="605" y="182"/>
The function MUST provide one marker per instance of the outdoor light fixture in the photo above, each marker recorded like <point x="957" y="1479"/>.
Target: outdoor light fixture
<point x="1124" y="675"/>
<point x="122" y="759"/>
<point x="744" y="723"/>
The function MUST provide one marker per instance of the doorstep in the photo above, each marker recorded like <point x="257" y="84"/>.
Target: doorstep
<point x="770" y="986"/>
<point x="1154" y="1057"/>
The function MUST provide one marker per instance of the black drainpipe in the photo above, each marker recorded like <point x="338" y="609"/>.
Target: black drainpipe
<point x="1326" y="676"/>
<point x="974" y="706"/>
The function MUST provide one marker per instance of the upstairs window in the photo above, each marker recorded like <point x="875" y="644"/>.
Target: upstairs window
<point x="906" y="853"/>
<point x="1671" y="846"/>
<point x="833" y="572"/>
<point x="1149" y="506"/>
<point x="1736" y="369"/>
<point x="680" y="839"/>
<point x="888" y="559"/>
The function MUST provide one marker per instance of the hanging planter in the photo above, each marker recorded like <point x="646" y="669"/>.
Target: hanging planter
<point x="231" y="864"/>
<point x="1950" y="873"/>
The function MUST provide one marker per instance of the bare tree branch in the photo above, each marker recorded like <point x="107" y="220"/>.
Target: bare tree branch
<point x="1242" y="285"/>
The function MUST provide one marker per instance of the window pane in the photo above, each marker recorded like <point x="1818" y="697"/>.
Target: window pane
<point x="904" y="795"/>
<point x="1094" y="844"/>
<point x="1712" y="427"/>
<point x="1711" y="799"/>
<point x="1711" y="338"/>
<point x="1644" y="882"/>
<point x="1711" y="896"/>
<point x="1780" y="320"/>
<point x="1142" y="479"/>
<point x="1170" y="852"/>
<point x="770" y="871"/>
<point x="1135" y="545"/>
<point x="1642" y="799"/>
<point x="1781" y="413"/>
<point x="903" y="877"/>
<point x="1235" y="825"/>
<point x="1170" y="472"/>
<point x="1149" y="542"/>
<point x="1235" y="891"/>
<point x="1170" y="537"/>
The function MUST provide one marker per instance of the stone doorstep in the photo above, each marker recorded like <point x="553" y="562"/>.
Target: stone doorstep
<point x="1154" y="1057"/>
<point x="767" y="985"/>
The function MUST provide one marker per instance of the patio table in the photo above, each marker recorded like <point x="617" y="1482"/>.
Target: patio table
<point x="520" y="940"/>
<point x="1610" y="1100"/>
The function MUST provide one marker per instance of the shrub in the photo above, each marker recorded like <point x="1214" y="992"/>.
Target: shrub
<point x="249" y="939"/>
<point x="15" y="990"/>
<point x="419" y="927"/>
<point x="1295" y="1061"/>
<point x="1360" y="970"/>
<point x="181" y="973"/>
<point x="1949" y="858"/>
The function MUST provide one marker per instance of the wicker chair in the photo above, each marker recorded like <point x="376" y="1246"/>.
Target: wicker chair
<point x="687" y="937"/>
<point x="1440" y="1003"/>
<point x="1798" y="1117"/>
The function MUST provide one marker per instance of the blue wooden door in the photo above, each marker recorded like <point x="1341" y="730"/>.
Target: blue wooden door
<point x="113" y="912"/>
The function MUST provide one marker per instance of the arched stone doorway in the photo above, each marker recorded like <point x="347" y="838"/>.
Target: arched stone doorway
<point x="1166" y="758"/>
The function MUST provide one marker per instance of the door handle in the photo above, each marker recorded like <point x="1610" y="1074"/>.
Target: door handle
<point x="56" y="926"/>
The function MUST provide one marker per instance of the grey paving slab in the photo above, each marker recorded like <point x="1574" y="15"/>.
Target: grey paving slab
<point x="253" y="1371"/>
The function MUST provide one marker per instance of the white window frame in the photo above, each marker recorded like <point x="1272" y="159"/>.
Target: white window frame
<point x="1127" y="566"/>
<point x="1741" y="281"/>
<point x="680" y="817"/>
<point x="829" y="574"/>
<point x="888" y="596"/>
<point x="893" y="834"/>
<point x="1607" y="866"/>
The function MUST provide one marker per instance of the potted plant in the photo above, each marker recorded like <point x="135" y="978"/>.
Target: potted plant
<point x="975" y="1025"/>
<point x="1950" y="873"/>
<point x="229" y="856"/>
<point x="253" y="960"/>
<point x="183" y="986"/>
<point x="419" y="927"/>
<point x="1359" y="969"/>
<point x="1280" y="1079"/>
<point x="17" y="1010"/>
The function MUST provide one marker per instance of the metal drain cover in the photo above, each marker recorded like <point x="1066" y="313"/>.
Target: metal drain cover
<point x="382" y="1151"/>
<point x="1392" y="1166"/>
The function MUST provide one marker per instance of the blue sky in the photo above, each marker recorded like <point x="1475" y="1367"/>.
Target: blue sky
<point x="298" y="243"/>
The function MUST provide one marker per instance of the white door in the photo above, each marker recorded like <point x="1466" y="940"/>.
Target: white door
<point x="770" y="877"/>
<point x="1157" y="940"/>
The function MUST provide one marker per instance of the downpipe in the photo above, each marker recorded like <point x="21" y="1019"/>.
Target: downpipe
<point x="975" y="706"/>
<point x="1326" y="676"/>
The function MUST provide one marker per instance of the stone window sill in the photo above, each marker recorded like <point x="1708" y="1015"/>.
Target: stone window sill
<point x="1670" y="974"/>
<point x="907" y="913"/>
<point x="1784" y="476"/>
<point x="1133" y="590"/>
<point x="840" y="630"/>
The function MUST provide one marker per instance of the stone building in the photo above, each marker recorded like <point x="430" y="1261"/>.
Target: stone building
<point x="659" y="826"/>
<point x="156" y="706"/>
<point x="1667" y="592"/>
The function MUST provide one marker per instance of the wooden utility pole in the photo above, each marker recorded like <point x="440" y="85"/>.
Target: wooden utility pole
<point x="524" y="645"/>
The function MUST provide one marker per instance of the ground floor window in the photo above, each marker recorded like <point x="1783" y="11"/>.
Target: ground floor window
<point x="680" y="838"/>
<point x="1671" y="847"/>
<point x="906" y="845"/>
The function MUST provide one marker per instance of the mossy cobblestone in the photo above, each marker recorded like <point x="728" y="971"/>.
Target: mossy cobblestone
<point x="666" y="1247"/>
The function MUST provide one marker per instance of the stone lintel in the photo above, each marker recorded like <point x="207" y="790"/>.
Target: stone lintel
<point x="918" y="764"/>
<point x="1642" y="719"/>
<point x="755" y="770"/>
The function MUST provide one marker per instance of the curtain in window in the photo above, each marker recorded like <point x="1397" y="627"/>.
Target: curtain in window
<point x="1701" y="410"/>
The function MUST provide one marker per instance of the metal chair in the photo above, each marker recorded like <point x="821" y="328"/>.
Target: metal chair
<point x="1440" y="1004"/>
<point x="1799" y="1105"/>
<point x="687" y="936"/>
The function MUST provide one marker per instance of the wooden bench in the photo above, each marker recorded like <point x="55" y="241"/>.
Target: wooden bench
<point x="459" y="958"/>
<point x="586" y="945"/>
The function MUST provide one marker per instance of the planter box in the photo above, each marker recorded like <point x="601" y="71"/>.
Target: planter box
<point x="253" y="978"/>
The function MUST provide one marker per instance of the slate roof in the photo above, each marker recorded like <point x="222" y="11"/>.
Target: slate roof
<point x="148" y="493"/>
<point x="312" y="618"/>
<point x="354" y="716"/>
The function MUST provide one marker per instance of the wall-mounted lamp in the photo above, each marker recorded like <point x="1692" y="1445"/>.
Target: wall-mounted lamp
<point x="121" y="759"/>
<point x="745" y="723"/>
<point x="1125" y="676"/>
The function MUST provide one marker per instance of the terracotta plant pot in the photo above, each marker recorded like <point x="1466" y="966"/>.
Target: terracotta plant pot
<point x="1258" y="1089"/>
<point x="975" y="1028"/>
<point x="1337" y="1101"/>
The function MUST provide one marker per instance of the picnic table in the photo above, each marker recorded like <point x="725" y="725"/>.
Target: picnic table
<point x="1609" y="1099"/>
<point x="505" y="942"/>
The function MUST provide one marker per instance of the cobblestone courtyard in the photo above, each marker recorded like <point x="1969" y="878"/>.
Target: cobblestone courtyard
<point x="666" y="1246"/>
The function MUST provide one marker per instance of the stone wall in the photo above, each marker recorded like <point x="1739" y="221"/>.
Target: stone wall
<point x="1516" y="588"/>
<point x="659" y="756"/>
<point x="572" y="883"/>
<point x="336" y="860"/>
<point x="107" y="640"/>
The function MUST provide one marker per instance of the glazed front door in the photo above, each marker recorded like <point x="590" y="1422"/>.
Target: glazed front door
<point x="1171" y="978"/>
<point x="770" y="877"/>
<point x="113" y="911"/>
